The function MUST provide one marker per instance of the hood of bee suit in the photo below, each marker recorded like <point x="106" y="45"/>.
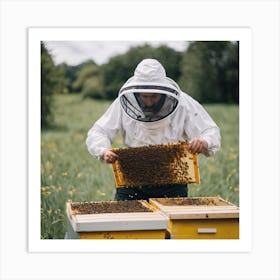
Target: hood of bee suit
<point x="149" y="79"/>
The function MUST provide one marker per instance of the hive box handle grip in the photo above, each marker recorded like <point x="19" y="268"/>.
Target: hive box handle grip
<point x="206" y="230"/>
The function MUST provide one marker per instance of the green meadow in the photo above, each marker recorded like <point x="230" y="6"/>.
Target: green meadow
<point x="70" y="173"/>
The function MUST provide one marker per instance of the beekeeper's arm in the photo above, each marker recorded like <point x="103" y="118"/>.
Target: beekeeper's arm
<point x="101" y="136"/>
<point x="203" y="132"/>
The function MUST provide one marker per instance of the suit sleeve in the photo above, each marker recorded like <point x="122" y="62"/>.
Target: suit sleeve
<point x="101" y="136"/>
<point x="200" y="125"/>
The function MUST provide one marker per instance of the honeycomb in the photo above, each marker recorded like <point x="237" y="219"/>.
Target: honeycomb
<point x="155" y="165"/>
<point x="192" y="201"/>
<point x="102" y="207"/>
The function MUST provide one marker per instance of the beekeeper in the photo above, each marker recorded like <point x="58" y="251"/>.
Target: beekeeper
<point x="151" y="109"/>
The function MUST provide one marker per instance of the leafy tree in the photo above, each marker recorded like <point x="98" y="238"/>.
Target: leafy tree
<point x="86" y="71"/>
<point x="92" y="88"/>
<point x="63" y="82"/>
<point x="53" y="81"/>
<point x="232" y="73"/>
<point x="209" y="71"/>
<point x="71" y="74"/>
<point x="88" y="81"/>
<point x="48" y="84"/>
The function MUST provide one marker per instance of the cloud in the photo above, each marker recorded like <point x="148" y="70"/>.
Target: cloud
<point x="76" y="52"/>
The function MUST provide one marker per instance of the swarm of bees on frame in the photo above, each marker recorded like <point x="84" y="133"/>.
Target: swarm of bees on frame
<point x="154" y="165"/>
<point x="102" y="207"/>
<point x="193" y="201"/>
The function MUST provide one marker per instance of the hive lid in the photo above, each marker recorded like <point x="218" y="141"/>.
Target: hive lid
<point x="114" y="216"/>
<point x="155" y="165"/>
<point x="196" y="207"/>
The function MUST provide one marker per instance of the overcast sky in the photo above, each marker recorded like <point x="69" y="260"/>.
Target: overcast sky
<point x="76" y="52"/>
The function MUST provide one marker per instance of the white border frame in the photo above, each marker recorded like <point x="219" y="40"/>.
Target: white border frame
<point x="243" y="35"/>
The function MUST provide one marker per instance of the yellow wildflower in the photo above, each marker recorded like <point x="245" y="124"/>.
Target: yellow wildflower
<point x="100" y="193"/>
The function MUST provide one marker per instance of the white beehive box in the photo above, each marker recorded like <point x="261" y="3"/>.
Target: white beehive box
<point x="102" y="221"/>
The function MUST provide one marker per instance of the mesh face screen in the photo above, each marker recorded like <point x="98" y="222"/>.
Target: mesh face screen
<point x="136" y="108"/>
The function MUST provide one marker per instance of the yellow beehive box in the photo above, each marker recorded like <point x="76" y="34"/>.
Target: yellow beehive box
<point x="200" y="217"/>
<point x="135" y="219"/>
<point x="155" y="165"/>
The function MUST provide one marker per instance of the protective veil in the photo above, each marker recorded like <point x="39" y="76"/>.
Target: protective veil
<point x="149" y="77"/>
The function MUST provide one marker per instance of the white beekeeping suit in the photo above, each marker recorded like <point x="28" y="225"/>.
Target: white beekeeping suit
<point x="176" y="117"/>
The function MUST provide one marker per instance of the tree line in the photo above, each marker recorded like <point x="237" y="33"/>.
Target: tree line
<point x="207" y="70"/>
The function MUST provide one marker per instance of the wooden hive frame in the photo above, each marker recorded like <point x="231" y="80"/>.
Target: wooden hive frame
<point x="156" y="165"/>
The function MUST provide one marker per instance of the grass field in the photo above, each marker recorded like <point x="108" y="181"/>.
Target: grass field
<point x="69" y="172"/>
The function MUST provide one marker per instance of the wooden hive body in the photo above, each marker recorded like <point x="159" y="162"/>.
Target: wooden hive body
<point x="116" y="220"/>
<point x="200" y="217"/>
<point x="155" y="165"/>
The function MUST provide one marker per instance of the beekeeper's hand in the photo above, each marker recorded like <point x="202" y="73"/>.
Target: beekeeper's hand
<point x="109" y="156"/>
<point x="198" y="146"/>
